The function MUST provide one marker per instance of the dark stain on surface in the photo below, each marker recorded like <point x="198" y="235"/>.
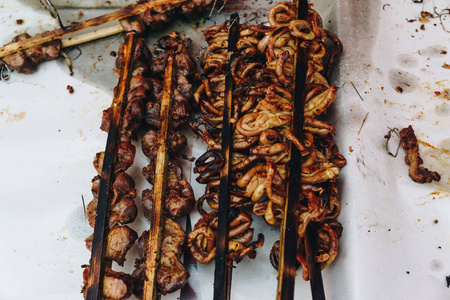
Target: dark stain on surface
<point x="403" y="81"/>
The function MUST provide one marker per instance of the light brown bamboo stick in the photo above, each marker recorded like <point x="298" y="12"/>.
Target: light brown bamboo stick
<point x="91" y="36"/>
<point x="159" y="187"/>
<point x="76" y="27"/>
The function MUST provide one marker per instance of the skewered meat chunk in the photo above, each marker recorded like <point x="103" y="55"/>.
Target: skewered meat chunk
<point x="178" y="202"/>
<point x="132" y="24"/>
<point x="123" y="208"/>
<point x="182" y="91"/>
<point x="141" y="55"/>
<point x="125" y="158"/>
<point x="120" y="240"/>
<point x="26" y="61"/>
<point x="417" y="172"/>
<point x="179" y="198"/>
<point x="116" y="285"/>
<point x="171" y="274"/>
<point x="124" y="211"/>
<point x="176" y="142"/>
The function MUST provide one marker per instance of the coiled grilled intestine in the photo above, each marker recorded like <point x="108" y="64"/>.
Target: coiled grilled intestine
<point x="263" y="98"/>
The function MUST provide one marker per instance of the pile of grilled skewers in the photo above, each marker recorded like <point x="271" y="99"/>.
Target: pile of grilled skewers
<point x="263" y="72"/>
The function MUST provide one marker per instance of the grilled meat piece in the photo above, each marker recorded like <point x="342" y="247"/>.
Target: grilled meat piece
<point x="123" y="208"/>
<point x="26" y="61"/>
<point x="116" y="285"/>
<point x="171" y="274"/>
<point x="177" y="142"/>
<point x="120" y="240"/>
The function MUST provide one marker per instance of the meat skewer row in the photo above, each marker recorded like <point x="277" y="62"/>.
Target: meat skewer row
<point x="263" y="119"/>
<point x="179" y="200"/>
<point x="210" y="99"/>
<point x="145" y="90"/>
<point x="114" y="200"/>
<point x="25" y="58"/>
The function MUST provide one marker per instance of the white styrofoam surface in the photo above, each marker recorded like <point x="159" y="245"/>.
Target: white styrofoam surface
<point x="392" y="247"/>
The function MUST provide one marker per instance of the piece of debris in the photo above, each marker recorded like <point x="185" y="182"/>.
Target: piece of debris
<point x="70" y="89"/>
<point x="417" y="172"/>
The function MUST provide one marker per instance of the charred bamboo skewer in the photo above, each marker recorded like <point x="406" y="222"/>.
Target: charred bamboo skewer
<point x="288" y="234"/>
<point x="59" y="33"/>
<point x="223" y="267"/>
<point x="156" y="219"/>
<point x="95" y="280"/>
<point x="316" y="282"/>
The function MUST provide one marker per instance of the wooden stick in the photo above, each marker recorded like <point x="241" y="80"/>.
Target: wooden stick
<point x="95" y="279"/>
<point x="288" y="230"/>
<point x="91" y="36"/>
<point x="159" y="187"/>
<point x="223" y="267"/>
<point x="128" y="11"/>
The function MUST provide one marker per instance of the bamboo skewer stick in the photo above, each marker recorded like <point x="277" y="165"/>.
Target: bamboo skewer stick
<point x="316" y="282"/>
<point x="76" y="27"/>
<point x="288" y="232"/>
<point x="223" y="267"/>
<point x="91" y="36"/>
<point x="159" y="188"/>
<point x="95" y="279"/>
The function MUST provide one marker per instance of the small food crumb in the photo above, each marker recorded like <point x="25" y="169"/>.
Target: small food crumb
<point x="436" y="221"/>
<point x="113" y="53"/>
<point x="422" y="27"/>
<point x="70" y="89"/>
<point x="443" y="52"/>
<point x="446" y="66"/>
<point x="407" y="272"/>
<point x="399" y="89"/>
<point x="19" y="22"/>
<point x="426" y="14"/>
<point x="350" y="148"/>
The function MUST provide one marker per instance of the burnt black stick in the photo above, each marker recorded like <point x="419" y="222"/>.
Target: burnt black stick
<point x="223" y="267"/>
<point x="288" y="234"/>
